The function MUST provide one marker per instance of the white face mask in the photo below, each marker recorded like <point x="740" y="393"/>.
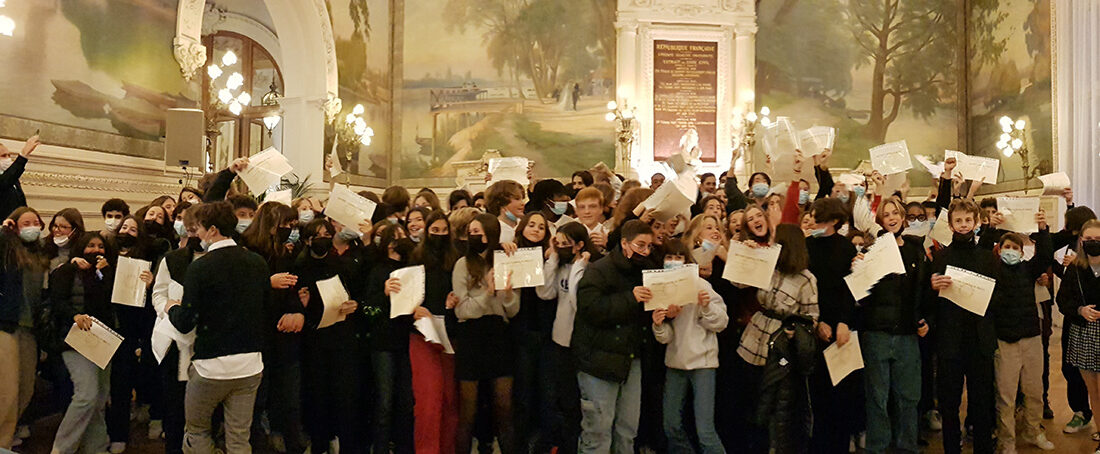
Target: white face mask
<point x="6" y="162"/>
<point x="112" y="223"/>
<point x="60" y="241"/>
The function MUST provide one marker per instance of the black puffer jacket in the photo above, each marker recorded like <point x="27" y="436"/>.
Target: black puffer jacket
<point x="1013" y="306"/>
<point x="898" y="302"/>
<point x="784" y="406"/>
<point x="956" y="328"/>
<point x="611" y="324"/>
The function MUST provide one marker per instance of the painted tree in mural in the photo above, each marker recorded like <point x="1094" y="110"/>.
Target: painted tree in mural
<point x="814" y="59"/>
<point x="549" y="42"/>
<point x="911" y="46"/>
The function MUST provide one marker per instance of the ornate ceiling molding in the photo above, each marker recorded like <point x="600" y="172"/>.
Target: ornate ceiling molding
<point x="32" y="179"/>
<point x="187" y="45"/>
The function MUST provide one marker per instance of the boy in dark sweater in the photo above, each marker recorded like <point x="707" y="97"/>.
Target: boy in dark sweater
<point x="223" y="298"/>
<point x="965" y="341"/>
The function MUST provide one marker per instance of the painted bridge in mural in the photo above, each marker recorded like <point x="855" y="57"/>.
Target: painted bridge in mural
<point x="471" y="99"/>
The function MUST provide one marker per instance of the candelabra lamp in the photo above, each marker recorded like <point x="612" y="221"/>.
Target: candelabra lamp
<point x="743" y="130"/>
<point x="626" y="131"/>
<point x="1014" y="141"/>
<point x="351" y="134"/>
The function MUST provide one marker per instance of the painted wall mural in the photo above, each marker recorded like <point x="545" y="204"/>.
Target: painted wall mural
<point x="93" y="64"/>
<point x="877" y="71"/>
<point x="529" y="78"/>
<point x="1010" y="75"/>
<point x="362" y="30"/>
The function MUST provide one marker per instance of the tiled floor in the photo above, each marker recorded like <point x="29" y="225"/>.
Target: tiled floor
<point x="43" y="430"/>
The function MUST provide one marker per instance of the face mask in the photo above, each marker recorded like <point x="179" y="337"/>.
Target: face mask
<point x="803" y="197"/>
<point x="436" y="241"/>
<point x="5" y="163"/>
<point x="180" y="229"/>
<point x="558" y="208"/>
<point x="415" y="237"/>
<point x="305" y="216"/>
<point x="29" y="234"/>
<point x="963" y="237"/>
<point x="320" y="246"/>
<point x="112" y="223"/>
<point x="194" y="244"/>
<point x="126" y="240"/>
<point x="152" y="228"/>
<point x="1011" y="256"/>
<point x="242" y="225"/>
<point x="760" y="189"/>
<point x="511" y="217"/>
<point x="475" y="245"/>
<point x="204" y="245"/>
<point x="670" y="264"/>
<point x="818" y="233"/>
<point x="462" y="246"/>
<point x="708" y="245"/>
<point x="60" y="241"/>
<point x="1091" y="248"/>
<point x="977" y="230"/>
<point x="404" y="247"/>
<point x="565" y="254"/>
<point x="843" y="197"/>
<point x="294" y="236"/>
<point x="640" y="261"/>
<point x="348" y="236"/>
<point x="918" y="228"/>
<point x="92" y="257"/>
<point x="859" y="190"/>
<point x="282" y="234"/>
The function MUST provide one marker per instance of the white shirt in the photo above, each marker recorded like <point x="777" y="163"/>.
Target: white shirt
<point x="507" y="233"/>
<point x="229" y="367"/>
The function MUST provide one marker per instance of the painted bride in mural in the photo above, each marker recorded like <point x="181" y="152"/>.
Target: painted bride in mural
<point x="530" y="78"/>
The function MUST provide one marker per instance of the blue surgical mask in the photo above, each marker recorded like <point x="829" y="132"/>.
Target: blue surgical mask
<point x="294" y="236"/>
<point x="305" y="216"/>
<point x="860" y="191"/>
<point x="204" y="244"/>
<point x="30" y="234"/>
<point x="918" y="228"/>
<point x="670" y="264"/>
<point x="350" y="235"/>
<point x="708" y="245"/>
<point x="817" y="233"/>
<point x="242" y="225"/>
<point x="559" y="208"/>
<point x="511" y="217"/>
<point x="1011" y="256"/>
<point x="977" y="230"/>
<point x="760" y="189"/>
<point x="803" y="197"/>
<point x="180" y="229"/>
<point x="843" y="197"/>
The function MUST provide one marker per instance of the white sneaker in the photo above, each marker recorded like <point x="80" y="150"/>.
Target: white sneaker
<point x="334" y="446"/>
<point x="1042" y="442"/>
<point x="156" y="429"/>
<point x="935" y="422"/>
<point x="117" y="447"/>
<point x="23" y="431"/>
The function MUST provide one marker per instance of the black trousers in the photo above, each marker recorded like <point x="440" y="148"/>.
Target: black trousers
<point x="567" y="399"/>
<point x="332" y="403"/>
<point x="280" y="396"/>
<point x="975" y="368"/>
<point x="839" y="411"/>
<point x="124" y="377"/>
<point x="173" y="391"/>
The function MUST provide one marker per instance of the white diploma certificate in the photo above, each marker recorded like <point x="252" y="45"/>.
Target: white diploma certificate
<point x="934" y="168"/>
<point x="284" y="197"/>
<point x="349" y="208"/>
<point x="751" y="266"/>
<point x="672" y="286"/>
<point x="1055" y="208"/>
<point x="435" y="331"/>
<point x="974" y="168"/>
<point x="412" y="280"/>
<point x="816" y="139"/>
<point x="969" y="290"/>
<point x="513" y="168"/>
<point x="941" y="231"/>
<point x="882" y="259"/>
<point x="670" y="199"/>
<point x="525" y="265"/>
<point x="264" y="170"/>
<point x="1055" y="183"/>
<point x="891" y="158"/>
<point x="98" y="344"/>
<point x="842" y="361"/>
<point x="1019" y="213"/>
<point x="129" y="289"/>
<point x="333" y="294"/>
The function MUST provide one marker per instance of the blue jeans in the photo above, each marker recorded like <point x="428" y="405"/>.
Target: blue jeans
<point x="891" y="367"/>
<point x="702" y="384"/>
<point x="609" y="412"/>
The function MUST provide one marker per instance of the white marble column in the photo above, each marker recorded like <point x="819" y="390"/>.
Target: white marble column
<point x="744" y="73"/>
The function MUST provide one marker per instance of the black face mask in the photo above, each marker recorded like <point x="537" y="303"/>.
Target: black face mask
<point x="194" y="244"/>
<point x="475" y="245"/>
<point x="126" y="240"/>
<point x="437" y="242"/>
<point x="640" y="261"/>
<point x="320" y="246"/>
<point x="461" y="246"/>
<point x="968" y="238"/>
<point x="404" y="247"/>
<point x="1091" y="248"/>
<point x="93" y="258"/>
<point x="152" y="228"/>
<point x="282" y="234"/>
<point x="566" y="254"/>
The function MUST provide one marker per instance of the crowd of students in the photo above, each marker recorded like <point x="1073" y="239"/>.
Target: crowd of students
<point x="227" y="352"/>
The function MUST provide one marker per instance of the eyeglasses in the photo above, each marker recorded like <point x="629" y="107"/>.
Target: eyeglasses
<point x="912" y="218"/>
<point x="639" y="247"/>
<point x="62" y="228"/>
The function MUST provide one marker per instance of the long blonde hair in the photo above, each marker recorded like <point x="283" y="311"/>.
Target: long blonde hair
<point x="695" y="228"/>
<point x="1082" y="259"/>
